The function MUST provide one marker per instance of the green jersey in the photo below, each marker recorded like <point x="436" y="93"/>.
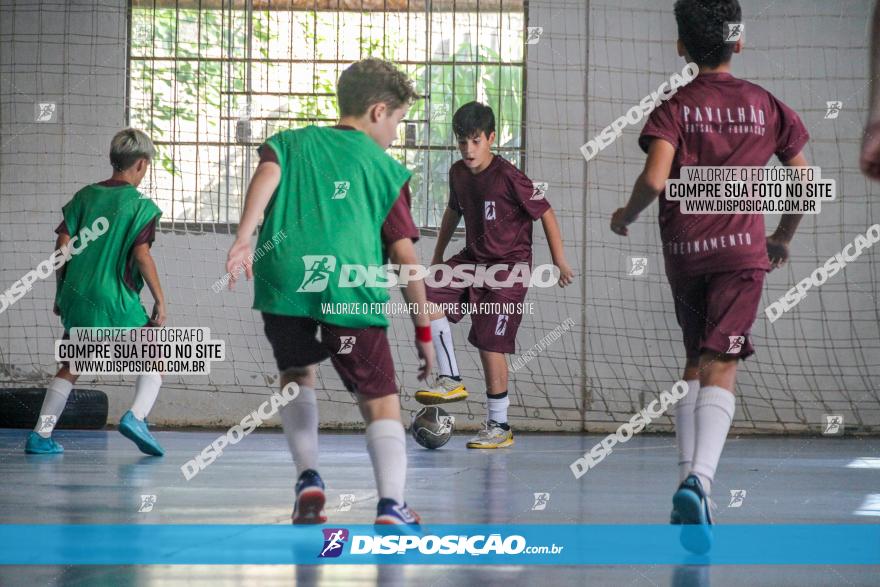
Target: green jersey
<point x="336" y="189"/>
<point x="94" y="292"/>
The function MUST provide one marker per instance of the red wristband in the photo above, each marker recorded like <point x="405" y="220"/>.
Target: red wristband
<point x="423" y="333"/>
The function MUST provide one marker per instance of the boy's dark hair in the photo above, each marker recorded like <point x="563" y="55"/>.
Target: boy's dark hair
<point x="702" y="29"/>
<point x="472" y="119"/>
<point x="373" y="81"/>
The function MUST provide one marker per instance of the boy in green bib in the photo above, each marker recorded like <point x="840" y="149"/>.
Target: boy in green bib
<point x="100" y="285"/>
<point x="341" y="203"/>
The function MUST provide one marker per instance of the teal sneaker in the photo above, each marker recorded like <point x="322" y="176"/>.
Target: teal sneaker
<point x="37" y="445"/>
<point x="137" y="431"/>
<point x="694" y="509"/>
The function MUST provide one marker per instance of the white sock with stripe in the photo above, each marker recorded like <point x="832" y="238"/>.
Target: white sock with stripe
<point x="441" y="335"/>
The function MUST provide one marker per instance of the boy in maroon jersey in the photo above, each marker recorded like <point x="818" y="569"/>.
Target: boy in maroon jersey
<point x="715" y="263"/>
<point x="499" y="204"/>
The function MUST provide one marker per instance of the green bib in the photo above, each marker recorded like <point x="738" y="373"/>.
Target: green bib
<point x="94" y="292"/>
<point x="337" y="187"/>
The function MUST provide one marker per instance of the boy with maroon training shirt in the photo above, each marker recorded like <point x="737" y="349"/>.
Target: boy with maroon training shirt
<point x="499" y="204"/>
<point x="715" y="263"/>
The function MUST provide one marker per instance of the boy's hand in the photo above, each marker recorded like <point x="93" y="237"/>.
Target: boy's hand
<point x="239" y="258"/>
<point x="619" y="223"/>
<point x="158" y="316"/>
<point x="426" y="354"/>
<point x="777" y="251"/>
<point x="566" y="273"/>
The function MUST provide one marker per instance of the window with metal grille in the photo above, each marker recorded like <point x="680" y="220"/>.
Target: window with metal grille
<point x="210" y="80"/>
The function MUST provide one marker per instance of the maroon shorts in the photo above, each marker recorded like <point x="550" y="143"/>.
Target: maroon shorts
<point x="361" y="356"/>
<point x="716" y="311"/>
<point x="497" y="312"/>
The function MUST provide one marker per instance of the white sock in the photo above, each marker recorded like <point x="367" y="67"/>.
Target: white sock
<point x="146" y="390"/>
<point x="712" y="416"/>
<point x="498" y="407"/>
<point x="53" y="404"/>
<point x="299" y="419"/>
<point x="684" y="428"/>
<point x="386" y="443"/>
<point x="441" y="334"/>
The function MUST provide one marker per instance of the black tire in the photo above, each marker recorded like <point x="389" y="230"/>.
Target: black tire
<point x="20" y="408"/>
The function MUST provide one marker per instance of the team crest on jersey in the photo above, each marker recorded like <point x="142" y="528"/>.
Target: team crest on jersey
<point x="489" y="207"/>
<point x="318" y="270"/>
<point x="736" y="344"/>
<point x="340" y="189"/>
<point x="501" y="324"/>
<point x="346" y="345"/>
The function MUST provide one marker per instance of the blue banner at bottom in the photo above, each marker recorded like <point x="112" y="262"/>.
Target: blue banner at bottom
<point x="521" y="544"/>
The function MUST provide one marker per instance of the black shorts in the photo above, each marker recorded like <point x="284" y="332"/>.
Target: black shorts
<point x="361" y="356"/>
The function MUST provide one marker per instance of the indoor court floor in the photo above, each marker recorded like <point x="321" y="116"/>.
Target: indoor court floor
<point x="101" y="477"/>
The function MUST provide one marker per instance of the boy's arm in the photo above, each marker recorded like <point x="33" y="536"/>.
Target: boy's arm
<point x="147" y="267"/>
<point x="557" y="251"/>
<point x="777" y="243"/>
<point x="448" y="224"/>
<point x="263" y="184"/>
<point x="648" y="187"/>
<point x="403" y="252"/>
<point x="61" y="242"/>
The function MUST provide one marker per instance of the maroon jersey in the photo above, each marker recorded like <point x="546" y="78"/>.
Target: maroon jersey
<point x="719" y="120"/>
<point x="499" y="205"/>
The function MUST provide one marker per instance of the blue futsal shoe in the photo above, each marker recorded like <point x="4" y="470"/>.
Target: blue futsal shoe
<point x="136" y="431"/>
<point x="37" y="445"/>
<point x="310" y="499"/>
<point x="694" y="509"/>
<point x="389" y="512"/>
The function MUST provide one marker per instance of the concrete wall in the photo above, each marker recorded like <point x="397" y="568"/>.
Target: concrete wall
<point x="624" y="344"/>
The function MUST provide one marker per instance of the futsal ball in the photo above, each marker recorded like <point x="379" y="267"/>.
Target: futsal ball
<point x="432" y="426"/>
